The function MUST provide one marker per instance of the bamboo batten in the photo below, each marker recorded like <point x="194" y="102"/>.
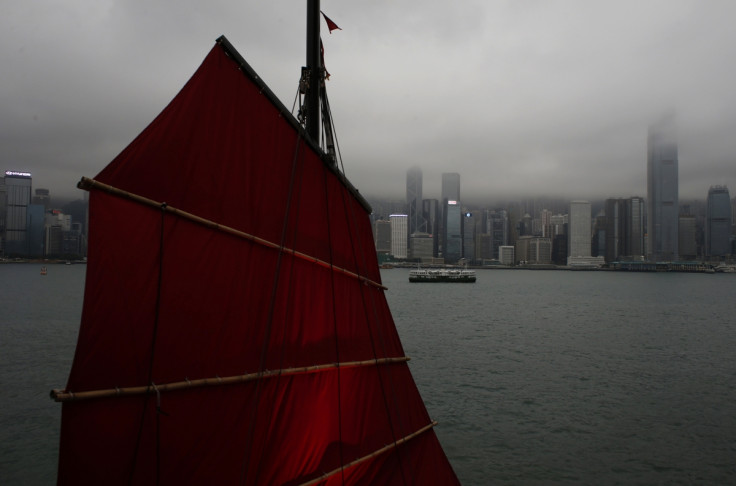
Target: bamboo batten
<point x="88" y="184"/>
<point x="371" y="455"/>
<point x="68" y="396"/>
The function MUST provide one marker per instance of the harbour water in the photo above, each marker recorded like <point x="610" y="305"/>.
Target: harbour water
<point x="535" y="377"/>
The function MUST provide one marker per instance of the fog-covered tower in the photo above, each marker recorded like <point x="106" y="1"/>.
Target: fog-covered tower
<point x="662" y="191"/>
<point x="414" y="200"/>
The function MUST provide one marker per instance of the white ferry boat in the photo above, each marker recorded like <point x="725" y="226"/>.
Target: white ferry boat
<point x="442" y="275"/>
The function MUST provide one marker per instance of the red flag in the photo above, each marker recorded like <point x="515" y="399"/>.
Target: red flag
<point x="330" y="24"/>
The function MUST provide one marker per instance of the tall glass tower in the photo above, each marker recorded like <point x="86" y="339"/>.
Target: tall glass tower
<point x="662" y="191"/>
<point x="452" y="237"/>
<point x="718" y="222"/>
<point x="414" y="200"/>
<point x="17" y="200"/>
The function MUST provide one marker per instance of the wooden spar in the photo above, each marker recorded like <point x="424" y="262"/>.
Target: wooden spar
<point x="88" y="184"/>
<point x="68" y="396"/>
<point x="371" y="455"/>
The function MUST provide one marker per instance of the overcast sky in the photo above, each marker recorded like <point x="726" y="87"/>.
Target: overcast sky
<point x="520" y="97"/>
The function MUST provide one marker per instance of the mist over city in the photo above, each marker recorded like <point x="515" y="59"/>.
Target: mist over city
<point x="521" y="99"/>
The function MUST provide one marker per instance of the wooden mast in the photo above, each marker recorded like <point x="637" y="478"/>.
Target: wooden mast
<point x="314" y="69"/>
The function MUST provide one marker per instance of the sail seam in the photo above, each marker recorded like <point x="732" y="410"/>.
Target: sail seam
<point x="88" y="184"/>
<point x="373" y="454"/>
<point x="68" y="396"/>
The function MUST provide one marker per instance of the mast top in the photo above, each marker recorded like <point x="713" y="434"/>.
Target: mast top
<point x="314" y="70"/>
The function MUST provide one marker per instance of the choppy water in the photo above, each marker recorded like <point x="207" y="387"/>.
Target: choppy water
<point x="536" y="377"/>
<point x="577" y="377"/>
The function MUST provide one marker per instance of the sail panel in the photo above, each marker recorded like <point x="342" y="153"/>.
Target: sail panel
<point x="170" y="299"/>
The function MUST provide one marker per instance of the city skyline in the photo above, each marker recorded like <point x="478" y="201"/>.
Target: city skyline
<point x="532" y="99"/>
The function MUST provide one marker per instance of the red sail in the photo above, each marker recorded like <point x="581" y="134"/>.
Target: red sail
<point x="234" y="328"/>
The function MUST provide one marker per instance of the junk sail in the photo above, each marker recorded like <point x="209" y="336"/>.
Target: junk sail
<point x="235" y="329"/>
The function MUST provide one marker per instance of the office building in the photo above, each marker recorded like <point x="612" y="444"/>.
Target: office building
<point x="498" y="227"/>
<point x="579" y="233"/>
<point x="382" y="233"/>
<point x="579" y="237"/>
<point x="399" y="235"/>
<point x="17" y="200"/>
<point x="624" y="229"/>
<point x="506" y="255"/>
<point x="718" y="222"/>
<point x="452" y="237"/>
<point x="662" y="192"/>
<point x="420" y="247"/>
<point x="533" y="250"/>
<point x="431" y="214"/>
<point x="414" y="201"/>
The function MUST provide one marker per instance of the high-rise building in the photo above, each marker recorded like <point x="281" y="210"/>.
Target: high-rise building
<point x="498" y="226"/>
<point x="469" y="236"/>
<point x="399" y="235"/>
<point x="624" y="220"/>
<point x="414" y="200"/>
<point x="662" y="192"/>
<point x="382" y="233"/>
<point x="452" y="237"/>
<point x="718" y="222"/>
<point x="579" y="229"/>
<point x="432" y="216"/>
<point x="453" y="246"/>
<point x="579" y="237"/>
<point x="17" y="200"/>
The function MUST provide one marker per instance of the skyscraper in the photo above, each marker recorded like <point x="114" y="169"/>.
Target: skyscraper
<point x="414" y="200"/>
<point x="718" y="222"/>
<point x="624" y="228"/>
<point x="579" y="229"/>
<point x="431" y="215"/>
<point x="662" y="191"/>
<point x="18" y="198"/>
<point x="399" y="235"/>
<point x="452" y="245"/>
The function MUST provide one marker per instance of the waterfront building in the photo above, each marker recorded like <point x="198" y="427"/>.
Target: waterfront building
<point x="17" y="199"/>
<point x="506" y="255"/>
<point x="718" y="222"/>
<point x="624" y="229"/>
<point x="414" y="201"/>
<point x="533" y="250"/>
<point x="420" y="246"/>
<point x="472" y="229"/>
<point x="452" y="248"/>
<point x="559" y="249"/>
<point x="662" y="192"/>
<point x="399" y="235"/>
<point x="579" y="230"/>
